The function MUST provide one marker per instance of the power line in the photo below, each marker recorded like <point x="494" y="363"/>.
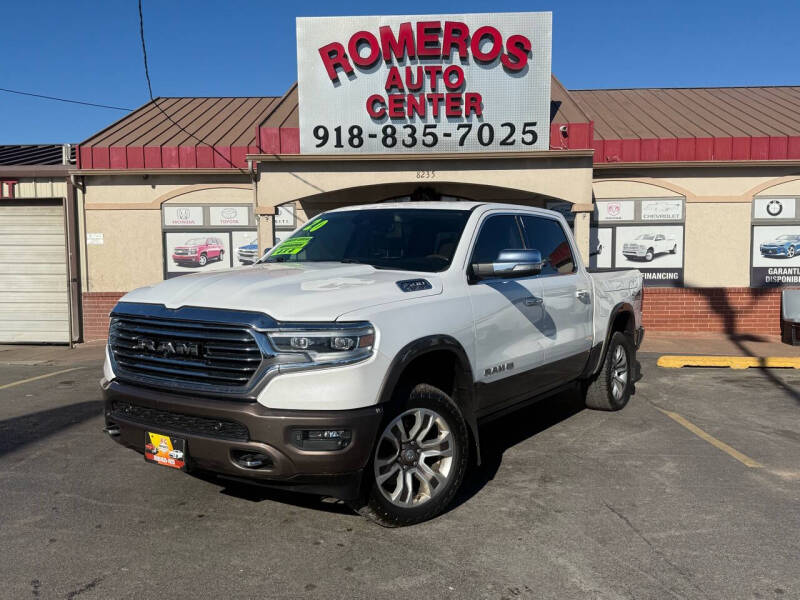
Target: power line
<point x="64" y="100"/>
<point x="155" y="100"/>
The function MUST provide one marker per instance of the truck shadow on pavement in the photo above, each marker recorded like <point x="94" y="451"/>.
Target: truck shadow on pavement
<point x="496" y="437"/>
<point x="17" y="432"/>
<point x="506" y="432"/>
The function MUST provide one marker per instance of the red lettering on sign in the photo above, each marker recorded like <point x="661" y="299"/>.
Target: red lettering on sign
<point x="357" y="41"/>
<point x="416" y="105"/>
<point x="449" y="82"/>
<point x="433" y="72"/>
<point x="428" y="38"/>
<point x="376" y="113"/>
<point x="517" y="46"/>
<point x="473" y="103"/>
<point x="394" y="80"/>
<point x="452" y="106"/>
<point x="455" y="35"/>
<point x="495" y="49"/>
<point x="396" y="108"/>
<point x="333" y="56"/>
<point x="435" y="99"/>
<point x="414" y="86"/>
<point x="400" y="46"/>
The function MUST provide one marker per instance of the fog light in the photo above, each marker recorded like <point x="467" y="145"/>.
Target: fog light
<point x="321" y="439"/>
<point x="251" y="460"/>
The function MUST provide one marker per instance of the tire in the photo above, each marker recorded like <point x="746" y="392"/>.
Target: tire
<point x="650" y="254"/>
<point x="791" y="252"/>
<point x="221" y="255"/>
<point x="611" y="389"/>
<point x="202" y="260"/>
<point x="397" y="457"/>
<point x="674" y="249"/>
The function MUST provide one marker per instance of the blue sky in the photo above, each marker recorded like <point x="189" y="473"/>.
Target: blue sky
<point x="91" y="51"/>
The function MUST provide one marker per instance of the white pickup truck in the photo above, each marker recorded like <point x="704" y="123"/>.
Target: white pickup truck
<point x="358" y="358"/>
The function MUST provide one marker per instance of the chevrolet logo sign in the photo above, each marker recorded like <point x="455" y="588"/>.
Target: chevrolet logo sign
<point x="167" y="348"/>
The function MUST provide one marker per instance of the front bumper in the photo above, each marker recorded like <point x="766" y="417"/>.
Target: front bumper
<point x="637" y="252"/>
<point x="268" y="431"/>
<point x="773" y="251"/>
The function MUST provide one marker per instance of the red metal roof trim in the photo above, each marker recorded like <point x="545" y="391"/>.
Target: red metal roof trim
<point x="697" y="149"/>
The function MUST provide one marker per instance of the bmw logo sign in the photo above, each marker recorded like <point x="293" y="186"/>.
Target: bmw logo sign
<point x="774" y="207"/>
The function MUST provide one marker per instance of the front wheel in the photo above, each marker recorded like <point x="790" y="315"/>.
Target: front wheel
<point x="674" y="249"/>
<point x="790" y="252"/>
<point x="649" y="256"/>
<point x="612" y="387"/>
<point x="419" y="460"/>
<point x="202" y="260"/>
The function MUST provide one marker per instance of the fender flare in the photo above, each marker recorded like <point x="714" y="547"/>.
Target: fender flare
<point x="466" y="400"/>
<point x="597" y="356"/>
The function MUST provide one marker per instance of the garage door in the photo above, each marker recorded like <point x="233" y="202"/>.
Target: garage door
<point x="34" y="305"/>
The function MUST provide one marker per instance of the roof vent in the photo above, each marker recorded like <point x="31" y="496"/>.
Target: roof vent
<point x="414" y="285"/>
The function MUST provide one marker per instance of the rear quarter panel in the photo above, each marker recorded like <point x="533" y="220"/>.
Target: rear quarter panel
<point x="612" y="288"/>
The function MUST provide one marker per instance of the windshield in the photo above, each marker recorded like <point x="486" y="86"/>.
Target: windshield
<point x="786" y="238"/>
<point x="646" y="236"/>
<point x="403" y="239"/>
<point x="195" y="242"/>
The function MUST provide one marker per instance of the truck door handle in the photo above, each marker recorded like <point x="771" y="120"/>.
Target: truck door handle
<point x="582" y="295"/>
<point x="533" y="301"/>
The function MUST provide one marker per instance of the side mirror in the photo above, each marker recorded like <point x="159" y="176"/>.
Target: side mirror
<point x="265" y="251"/>
<point x="510" y="263"/>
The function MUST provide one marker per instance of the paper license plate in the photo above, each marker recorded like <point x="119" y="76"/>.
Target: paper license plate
<point x="165" y="450"/>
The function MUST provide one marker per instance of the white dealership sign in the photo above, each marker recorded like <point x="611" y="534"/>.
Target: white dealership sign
<point x="774" y="208"/>
<point x="183" y="216"/>
<point x="662" y="210"/>
<point x="615" y="210"/>
<point x="229" y="215"/>
<point x="424" y="84"/>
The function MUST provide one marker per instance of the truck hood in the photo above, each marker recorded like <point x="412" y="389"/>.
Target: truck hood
<point x="287" y="292"/>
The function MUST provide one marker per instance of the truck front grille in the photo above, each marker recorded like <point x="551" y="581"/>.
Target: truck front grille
<point x="156" y="419"/>
<point x="184" y="355"/>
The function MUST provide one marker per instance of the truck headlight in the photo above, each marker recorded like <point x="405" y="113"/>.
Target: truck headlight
<point x="329" y="344"/>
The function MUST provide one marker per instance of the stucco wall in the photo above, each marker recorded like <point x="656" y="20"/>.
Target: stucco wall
<point x="717" y="245"/>
<point x="127" y="211"/>
<point x="130" y="255"/>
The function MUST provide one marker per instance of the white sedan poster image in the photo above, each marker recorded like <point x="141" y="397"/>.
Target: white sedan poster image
<point x="776" y="255"/>
<point x="657" y="251"/>
<point x="197" y="252"/>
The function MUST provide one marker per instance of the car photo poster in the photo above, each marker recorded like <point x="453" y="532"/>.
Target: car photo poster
<point x="424" y="84"/>
<point x="197" y="252"/>
<point x="776" y="255"/>
<point x="656" y="250"/>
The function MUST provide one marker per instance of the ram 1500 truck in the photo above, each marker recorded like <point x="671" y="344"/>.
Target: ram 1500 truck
<point x="359" y="356"/>
<point x="648" y="245"/>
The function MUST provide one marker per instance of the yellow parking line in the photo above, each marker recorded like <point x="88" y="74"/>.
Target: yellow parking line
<point x="745" y="460"/>
<point x="21" y="381"/>
<point x="734" y="362"/>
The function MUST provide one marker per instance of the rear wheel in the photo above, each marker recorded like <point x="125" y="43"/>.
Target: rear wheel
<point x="674" y="249"/>
<point x="612" y="387"/>
<point x="419" y="460"/>
<point x="221" y="255"/>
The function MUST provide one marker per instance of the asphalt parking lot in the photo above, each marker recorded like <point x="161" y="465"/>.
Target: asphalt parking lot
<point x="692" y="491"/>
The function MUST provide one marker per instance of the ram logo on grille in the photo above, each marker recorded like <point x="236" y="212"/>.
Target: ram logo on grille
<point x="167" y="348"/>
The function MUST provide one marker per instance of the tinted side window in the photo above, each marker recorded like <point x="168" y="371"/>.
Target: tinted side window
<point x="548" y="237"/>
<point x="500" y="232"/>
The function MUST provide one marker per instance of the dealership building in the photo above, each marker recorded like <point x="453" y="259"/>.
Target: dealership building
<point x="699" y="188"/>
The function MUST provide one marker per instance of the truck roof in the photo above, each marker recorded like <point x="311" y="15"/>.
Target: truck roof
<point x="434" y="204"/>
